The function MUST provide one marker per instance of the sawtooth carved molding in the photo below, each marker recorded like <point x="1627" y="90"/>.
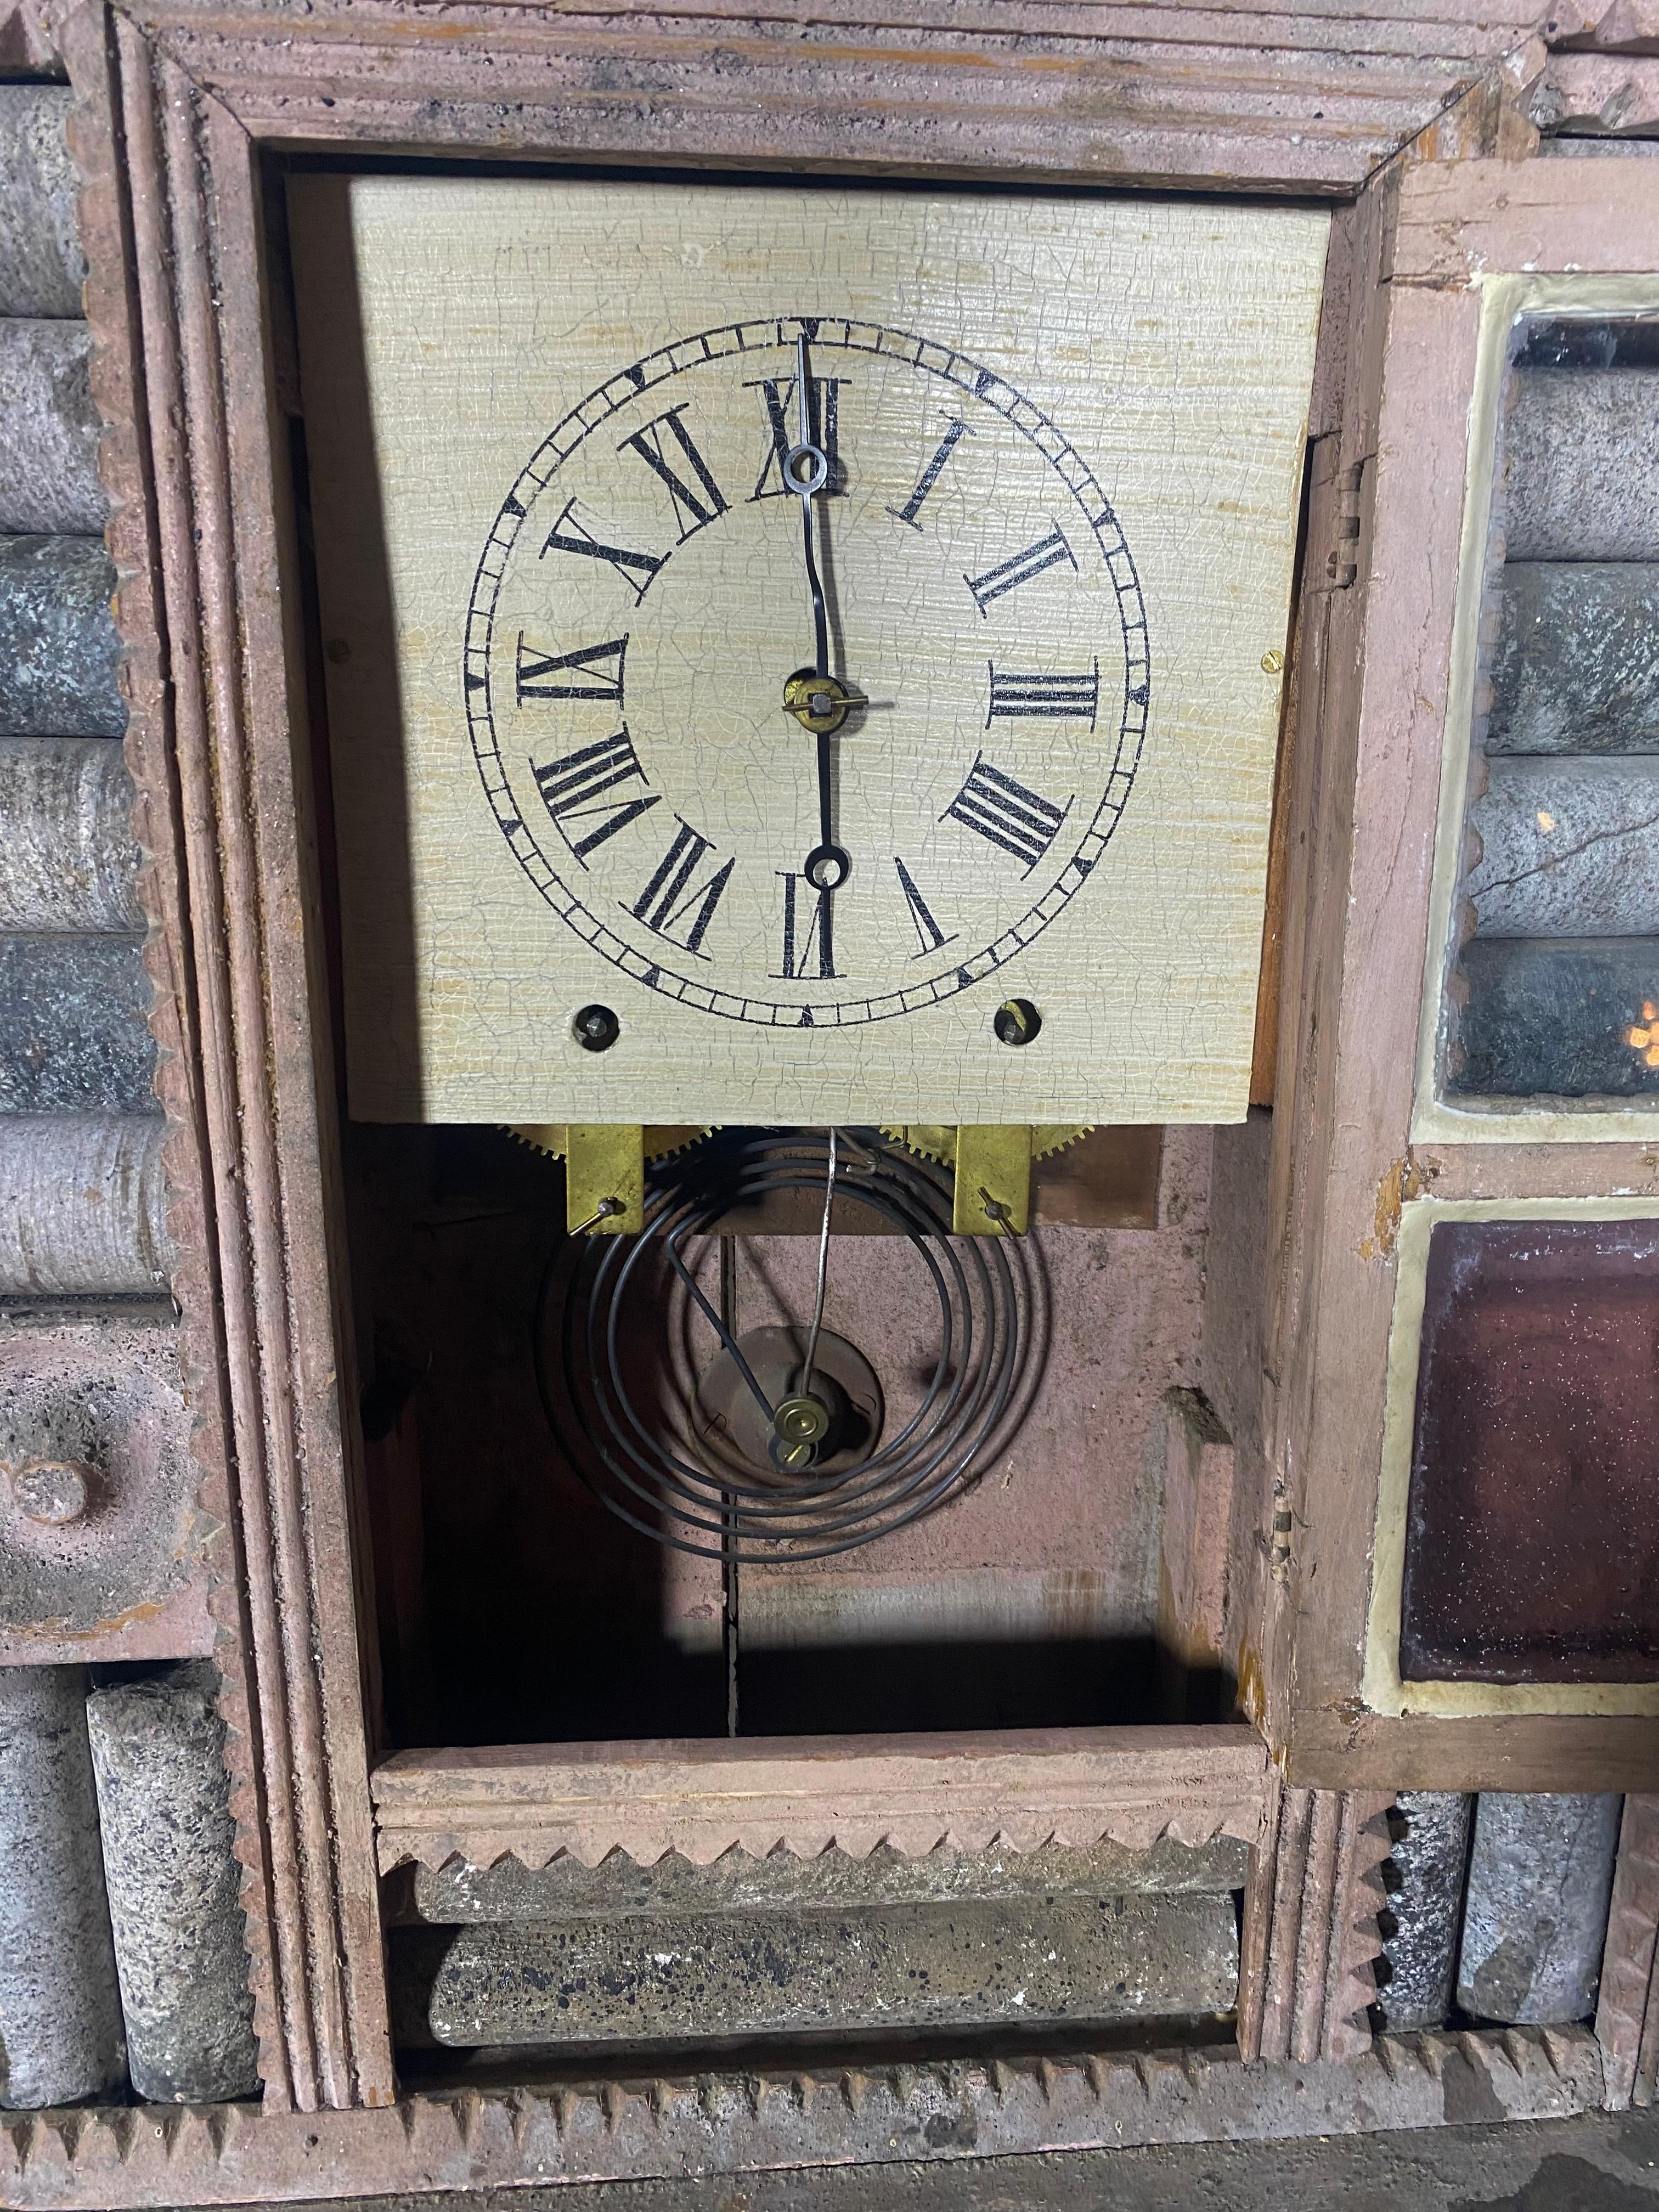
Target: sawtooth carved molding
<point x="1311" y="1936"/>
<point x="725" y="2124"/>
<point x="173" y="296"/>
<point x="1020" y="1791"/>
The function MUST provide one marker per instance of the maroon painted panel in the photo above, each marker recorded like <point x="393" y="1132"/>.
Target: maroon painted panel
<point x="1532" y="1543"/>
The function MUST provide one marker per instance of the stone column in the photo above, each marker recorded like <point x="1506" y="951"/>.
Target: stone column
<point x="1427" y="1908"/>
<point x="1540" y="1876"/>
<point x="60" y="2016"/>
<point x="181" y="1945"/>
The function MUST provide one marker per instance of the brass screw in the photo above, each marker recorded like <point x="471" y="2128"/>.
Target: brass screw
<point x="1273" y="661"/>
<point x="800" y="1421"/>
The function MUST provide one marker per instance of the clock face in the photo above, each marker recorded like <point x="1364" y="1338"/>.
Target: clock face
<point x="1065" y="444"/>
<point x="642" y="598"/>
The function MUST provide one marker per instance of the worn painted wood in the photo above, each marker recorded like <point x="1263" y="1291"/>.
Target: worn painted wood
<point x="1311" y="1936"/>
<point x="175" y="310"/>
<point x="787" y="2119"/>
<point x="1025" y="1788"/>
<point x="631" y="823"/>
<point x="1303" y="101"/>
<point x="1515" y="1751"/>
<point x="1628" y="1989"/>
<point x="1469" y="217"/>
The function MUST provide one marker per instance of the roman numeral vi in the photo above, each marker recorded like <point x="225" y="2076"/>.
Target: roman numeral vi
<point x="818" y="937"/>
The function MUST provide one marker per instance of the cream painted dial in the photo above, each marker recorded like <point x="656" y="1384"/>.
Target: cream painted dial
<point x="641" y="601"/>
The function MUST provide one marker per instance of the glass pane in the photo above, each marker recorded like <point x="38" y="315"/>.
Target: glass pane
<point x="1532" y="1543"/>
<point x="1554" y="988"/>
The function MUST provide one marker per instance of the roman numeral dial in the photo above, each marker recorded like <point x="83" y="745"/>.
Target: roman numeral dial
<point x="948" y="571"/>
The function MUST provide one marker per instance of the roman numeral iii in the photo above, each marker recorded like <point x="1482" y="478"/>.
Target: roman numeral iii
<point x="573" y="791"/>
<point x="691" y="509"/>
<point x="1019" y="693"/>
<point x="1009" y="813"/>
<point x="595" y="671"/>
<point x="815" y="941"/>
<point x="1019" y="568"/>
<point x="673" y="893"/>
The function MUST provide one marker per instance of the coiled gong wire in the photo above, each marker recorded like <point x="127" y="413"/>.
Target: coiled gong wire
<point x="619" y="1453"/>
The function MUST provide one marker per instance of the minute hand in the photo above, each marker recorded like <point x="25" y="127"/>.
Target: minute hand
<point x="813" y="696"/>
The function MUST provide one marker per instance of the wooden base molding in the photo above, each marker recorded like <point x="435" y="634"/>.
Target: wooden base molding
<point x="1021" y="1790"/>
<point x="633" y="2128"/>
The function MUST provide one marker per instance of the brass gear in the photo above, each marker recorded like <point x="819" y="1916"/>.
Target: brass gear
<point x="661" y="1142"/>
<point x="937" y="1143"/>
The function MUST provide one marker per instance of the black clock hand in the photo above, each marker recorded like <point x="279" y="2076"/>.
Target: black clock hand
<point x="813" y="694"/>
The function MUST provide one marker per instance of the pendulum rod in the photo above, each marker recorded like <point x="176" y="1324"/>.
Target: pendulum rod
<point x="728" y="1250"/>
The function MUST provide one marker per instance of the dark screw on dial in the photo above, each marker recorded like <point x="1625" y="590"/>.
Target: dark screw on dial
<point x="596" y="1029"/>
<point x="1017" y="1021"/>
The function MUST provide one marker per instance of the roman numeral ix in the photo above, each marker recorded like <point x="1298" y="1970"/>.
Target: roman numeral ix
<point x="800" y="945"/>
<point x="573" y="790"/>
<point x="782" y="419"/>
<point x="673" y="892"/>
<point x="691" y="509"/>
<point x="596" y="672"/>
<point x="1009" y="813"/>
<point x="1020" y="567"/>
<point x="1016" y="694"/>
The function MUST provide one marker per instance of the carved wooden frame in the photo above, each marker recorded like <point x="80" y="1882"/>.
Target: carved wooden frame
<point x="179" y="104"/>
<point x="1375" y="685"/>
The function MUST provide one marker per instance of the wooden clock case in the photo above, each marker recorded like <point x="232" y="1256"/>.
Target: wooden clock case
<point x="186" y="118"/>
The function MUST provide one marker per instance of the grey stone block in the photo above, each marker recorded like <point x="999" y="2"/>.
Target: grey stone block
<point x="1581" y="466"/>
<point x="1540" y="1876"/>
<point x="459" y="1895"/>
<point x="68" y="859"/>
<point x="58" y="647"/>
<point x="1426" y="1907"/>
<point x="1570" y="848"/>
<point x="41" y="265"/>
<point x="60" y="2016"/>
<point x="180" y="1944"/>
<point x="680" y="1977"/>
<point x="75" y="1026"/>
<point x="83" y="1206"/>
<point x="1575" y="664"/>
<point x="49" y="430"/>
<point x="1553" y="1016"/>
